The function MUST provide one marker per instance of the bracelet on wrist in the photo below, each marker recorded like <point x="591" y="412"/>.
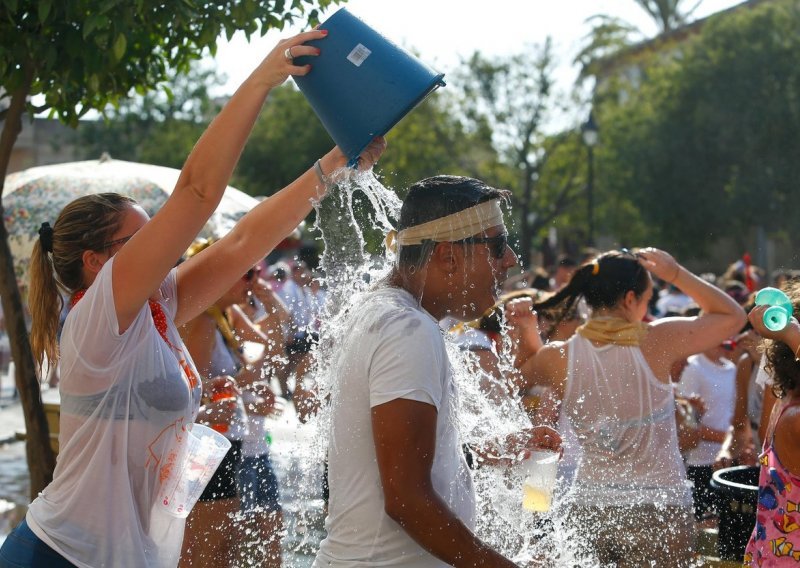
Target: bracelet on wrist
<point x="323" y="179"/>
<point x="677" y="273"/>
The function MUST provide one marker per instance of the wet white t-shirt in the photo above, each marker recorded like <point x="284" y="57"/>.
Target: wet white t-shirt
<point x="624" y="420"/>
<point x="715" y="383"/>
<point x="393" y="349"/>
<point x="125" y="401"/>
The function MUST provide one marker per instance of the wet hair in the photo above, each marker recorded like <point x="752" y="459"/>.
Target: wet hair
<point x="86" y="223"/>
<point x="603" y="282"/>
<point x="781" y="362"/>
<point x="436" y="197"/>
<point x="737" y="291"/>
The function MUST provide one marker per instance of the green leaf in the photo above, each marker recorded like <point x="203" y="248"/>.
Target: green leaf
<point x="44" y="10"/>
<point x="108" y="5"/>
<point x="120" y="45"/>
<point x="11" y="5"/>
<point x="92" y="23"/>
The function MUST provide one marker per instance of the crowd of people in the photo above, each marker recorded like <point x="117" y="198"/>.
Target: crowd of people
<point x="592" y="376"/>
<point x="644" y="375"/>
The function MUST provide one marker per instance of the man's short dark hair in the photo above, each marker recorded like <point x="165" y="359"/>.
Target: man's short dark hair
<point x="436" y="197"/>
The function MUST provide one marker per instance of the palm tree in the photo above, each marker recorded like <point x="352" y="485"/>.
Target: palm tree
<point x="668" y="14"/>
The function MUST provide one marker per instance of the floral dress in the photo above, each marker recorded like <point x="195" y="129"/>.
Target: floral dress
<point x="776" y="537"/>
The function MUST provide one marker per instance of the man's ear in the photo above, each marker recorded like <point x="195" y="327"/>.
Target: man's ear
<point x="445" y="257"/>
<point x="92" y="261"/>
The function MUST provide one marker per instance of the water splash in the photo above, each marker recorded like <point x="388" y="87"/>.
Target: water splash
<point x="349" y="269"/>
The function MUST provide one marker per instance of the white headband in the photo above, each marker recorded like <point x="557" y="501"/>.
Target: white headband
<point x="451" y="228"/>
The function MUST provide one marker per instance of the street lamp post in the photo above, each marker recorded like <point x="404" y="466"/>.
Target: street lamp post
<point x="590" y="134"/>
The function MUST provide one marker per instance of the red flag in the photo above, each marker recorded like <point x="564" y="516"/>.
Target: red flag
<point x="748" y="273"/>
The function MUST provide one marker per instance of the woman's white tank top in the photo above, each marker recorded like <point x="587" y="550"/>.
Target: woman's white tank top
<point x="624" y="419"/>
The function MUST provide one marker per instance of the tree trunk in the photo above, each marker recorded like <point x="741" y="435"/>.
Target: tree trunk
<point x="41" y="461"/>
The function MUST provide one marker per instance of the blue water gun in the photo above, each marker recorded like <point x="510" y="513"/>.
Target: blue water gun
<point x="777" y="316"/>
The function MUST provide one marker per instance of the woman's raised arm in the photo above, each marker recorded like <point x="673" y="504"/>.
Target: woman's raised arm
<point x="206" y="276"/>
<point x="142" y="264"/>
<point x="671" y="339"/>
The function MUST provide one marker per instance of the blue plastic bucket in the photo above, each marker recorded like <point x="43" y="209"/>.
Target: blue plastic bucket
<point x="362" y="84"/>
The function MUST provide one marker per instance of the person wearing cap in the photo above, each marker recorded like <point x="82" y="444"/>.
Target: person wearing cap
<point x="401" y="492"/>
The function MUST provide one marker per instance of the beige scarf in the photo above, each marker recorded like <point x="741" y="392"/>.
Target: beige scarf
<point x="614" y="330"/>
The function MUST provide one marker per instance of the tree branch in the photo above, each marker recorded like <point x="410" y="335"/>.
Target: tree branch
<point x="13" y="123"/>
<point x="559" y="203"/>
<point x="38" y="109"/>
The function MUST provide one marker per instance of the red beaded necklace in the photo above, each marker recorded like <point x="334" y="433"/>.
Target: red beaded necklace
<point x="160" y="321"/>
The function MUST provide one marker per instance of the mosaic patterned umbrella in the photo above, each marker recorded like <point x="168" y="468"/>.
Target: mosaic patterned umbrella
<point x="36" y="195"/>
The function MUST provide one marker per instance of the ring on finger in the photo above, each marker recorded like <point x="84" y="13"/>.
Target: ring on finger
<point x="288" y="54"/>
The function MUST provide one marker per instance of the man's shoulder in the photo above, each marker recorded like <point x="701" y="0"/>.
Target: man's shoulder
<point x="393" y="302"/>
<point x="391" y="312"/>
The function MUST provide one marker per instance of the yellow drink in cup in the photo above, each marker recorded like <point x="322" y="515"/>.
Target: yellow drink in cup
<point x="536" y="500"/>
<point x="540" y="479"/>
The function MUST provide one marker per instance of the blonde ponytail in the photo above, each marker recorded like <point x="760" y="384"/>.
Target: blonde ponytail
<point x="45" y="304"/>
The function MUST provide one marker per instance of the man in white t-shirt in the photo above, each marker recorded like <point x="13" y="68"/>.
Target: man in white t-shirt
<point x="401" y="493"/>
<point x="712" y="377"/>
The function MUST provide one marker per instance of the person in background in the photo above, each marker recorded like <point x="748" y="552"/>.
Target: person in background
<point x="129" y="391"/>
<point x="775" y="540"/>
<point x="612" y="379"/>
<point x="782" y="276"/>
<point x="672" y="302"/>
<point x="296" y="299"/>
<point x="739" y="447"/>
<point x="710" y="376"/>
<point x="737" y="290"/>
<point x="214" y="340"/>
<point x="565" y="268"/>
<point x="744" y="272"/>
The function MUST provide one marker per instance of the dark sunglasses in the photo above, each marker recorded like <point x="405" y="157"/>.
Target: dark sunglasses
<point x="497" y="244"/>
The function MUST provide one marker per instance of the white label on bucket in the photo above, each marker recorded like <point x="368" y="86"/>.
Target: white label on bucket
<point x="358" y="55"/>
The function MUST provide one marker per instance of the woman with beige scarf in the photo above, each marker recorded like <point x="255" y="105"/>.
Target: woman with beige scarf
<point x="630" y="501"/>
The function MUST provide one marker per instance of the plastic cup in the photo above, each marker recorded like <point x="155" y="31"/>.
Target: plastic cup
<point x="540" y="479"/>
<point x="188" y="467"/>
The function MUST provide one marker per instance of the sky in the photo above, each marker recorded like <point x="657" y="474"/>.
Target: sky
<point x="445" y="31"/>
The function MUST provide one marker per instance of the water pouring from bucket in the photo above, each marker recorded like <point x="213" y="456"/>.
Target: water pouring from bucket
<point x="362" y="84"/>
